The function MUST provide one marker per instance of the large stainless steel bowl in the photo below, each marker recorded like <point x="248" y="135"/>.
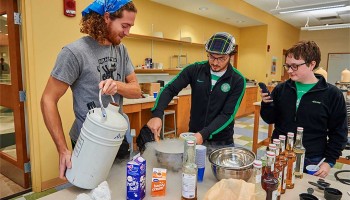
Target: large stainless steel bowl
<point x="169" y="153"/>
<point x="232" y="162"/>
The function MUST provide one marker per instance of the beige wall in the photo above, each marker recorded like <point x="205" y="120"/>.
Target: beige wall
<point x="171" y="22"/>
<point x="46" y="30"/>
<point x="329" y="41"/>
<point x="279" y="35"/>
<point x="252" y="52"/>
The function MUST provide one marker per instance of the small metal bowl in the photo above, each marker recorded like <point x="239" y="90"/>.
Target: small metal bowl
<point x="232" y="162"/>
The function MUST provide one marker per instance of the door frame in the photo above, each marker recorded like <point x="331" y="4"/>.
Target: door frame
<point x="284" y="73"/>
<point x="14" y="168"/>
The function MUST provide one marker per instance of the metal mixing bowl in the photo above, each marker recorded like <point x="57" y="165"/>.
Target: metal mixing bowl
<point x="169" y="153"/>
<point x="232" y="162"/>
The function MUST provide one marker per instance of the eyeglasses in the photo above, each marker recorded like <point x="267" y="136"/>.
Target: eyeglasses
<point x="220" y="59"/>
<point x="293" y="66"/>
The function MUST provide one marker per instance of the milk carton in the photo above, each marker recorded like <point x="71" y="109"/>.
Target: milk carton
<point x="136" y="178"/>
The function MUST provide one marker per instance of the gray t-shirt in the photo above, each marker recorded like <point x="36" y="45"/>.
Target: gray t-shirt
<point x="83" y="64"/>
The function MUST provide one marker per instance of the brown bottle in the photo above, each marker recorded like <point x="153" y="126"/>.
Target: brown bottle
<point x="281" y="167"/>
<point x="277" y="172"/>
<point x="283" y="159"/>
<point x="269" y="182"/>
<point x="291" y="162"/>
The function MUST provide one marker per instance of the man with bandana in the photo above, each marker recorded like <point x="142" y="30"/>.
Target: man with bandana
<point x="217" y="91"/>
<point x="93" y="62"/>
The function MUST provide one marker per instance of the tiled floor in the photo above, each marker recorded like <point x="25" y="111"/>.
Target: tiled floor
<point x="242" y="137"/>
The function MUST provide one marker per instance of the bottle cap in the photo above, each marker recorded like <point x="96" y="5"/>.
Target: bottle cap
<point x="290" y="134"/>
<point x="190" y="142"/>
<point x="276" y="141"/>
<point x="300" y="129"/>
<point x="270" y="154"/>
<point x="257" y="163"/>
<point x="272" y="146"/>
<point x="282" y="137"/>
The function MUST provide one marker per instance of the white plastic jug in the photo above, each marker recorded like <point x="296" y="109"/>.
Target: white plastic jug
<point x="97" y="146"/>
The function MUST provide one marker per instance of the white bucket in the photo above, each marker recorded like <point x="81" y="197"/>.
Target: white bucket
<point x="112" y="127"/>
<point x="97" y="146"/>
<point x="92" y="160"/>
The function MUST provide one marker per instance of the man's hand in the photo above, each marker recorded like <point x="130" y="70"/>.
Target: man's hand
<point x="155" y="124"/>
<point x="199" y="138"/>
<point x="324" y="170"/>
<point x="108" y="86"/>
<point x="65" y="162"/>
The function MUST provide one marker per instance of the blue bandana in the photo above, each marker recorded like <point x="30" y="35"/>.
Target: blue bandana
<point x="103" y="6"/>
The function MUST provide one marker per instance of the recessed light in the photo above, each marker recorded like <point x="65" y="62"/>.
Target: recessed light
<point x="203" y="8"/>
<point x="240" y="21"/>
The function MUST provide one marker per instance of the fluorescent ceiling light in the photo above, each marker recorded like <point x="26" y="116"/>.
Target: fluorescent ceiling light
<point x="311" y="7"/>
<point x="325" y="27"/>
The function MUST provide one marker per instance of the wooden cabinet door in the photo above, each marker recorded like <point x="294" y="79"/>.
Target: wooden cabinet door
<point x="183" y="114"/>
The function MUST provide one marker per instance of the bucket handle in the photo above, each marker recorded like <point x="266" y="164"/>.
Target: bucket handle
<point x="103" y="109"/>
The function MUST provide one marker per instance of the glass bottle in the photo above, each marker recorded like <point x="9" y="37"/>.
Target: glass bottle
<point x="282" y="139"/>
<point x="260" y="193"/>
<point x="299" y="151"/>
<point x="277" y="172"/>
<point x="283" y="159"/>
<point x="277" y="143"/>
<point x="269" y="182"/>
<point x="189" y="171"/>
<point x="291" y="161"/>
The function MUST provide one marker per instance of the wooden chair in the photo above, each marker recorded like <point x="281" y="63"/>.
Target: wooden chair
<point x="171" y="129"/>
<point x="266" y="141"/>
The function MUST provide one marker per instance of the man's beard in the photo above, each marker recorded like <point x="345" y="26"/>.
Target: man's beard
<point x="111" y="37"/>
<point x="219" y="68"/>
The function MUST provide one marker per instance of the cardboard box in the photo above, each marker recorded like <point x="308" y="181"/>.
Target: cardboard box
<point x="150" y="88"/>
<point x="136" y="178"/>
<point x="158" y="186"/>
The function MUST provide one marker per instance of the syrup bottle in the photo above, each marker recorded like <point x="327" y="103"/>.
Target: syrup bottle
<point x="269" y="182"/>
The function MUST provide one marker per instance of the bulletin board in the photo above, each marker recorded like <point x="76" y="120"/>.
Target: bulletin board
<point x="336" y="63"/>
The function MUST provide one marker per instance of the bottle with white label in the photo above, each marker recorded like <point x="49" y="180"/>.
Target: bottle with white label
<point x="260" y="193"/>
<point x="299" y="151"/>
<point x="189" y="171"/>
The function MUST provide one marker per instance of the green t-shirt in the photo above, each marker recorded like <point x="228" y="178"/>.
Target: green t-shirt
<point x="302" y="89"/>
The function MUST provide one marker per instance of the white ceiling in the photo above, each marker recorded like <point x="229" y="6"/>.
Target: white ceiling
<point x="225" y="15"/>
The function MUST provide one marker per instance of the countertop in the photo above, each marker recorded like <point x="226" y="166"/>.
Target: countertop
<point x="117" y="184"/>
<point x="186" y="91"/>
<point x="127" y="101"/>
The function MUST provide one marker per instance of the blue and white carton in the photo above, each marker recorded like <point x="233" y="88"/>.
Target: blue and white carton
<point x="136" y="178"/>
